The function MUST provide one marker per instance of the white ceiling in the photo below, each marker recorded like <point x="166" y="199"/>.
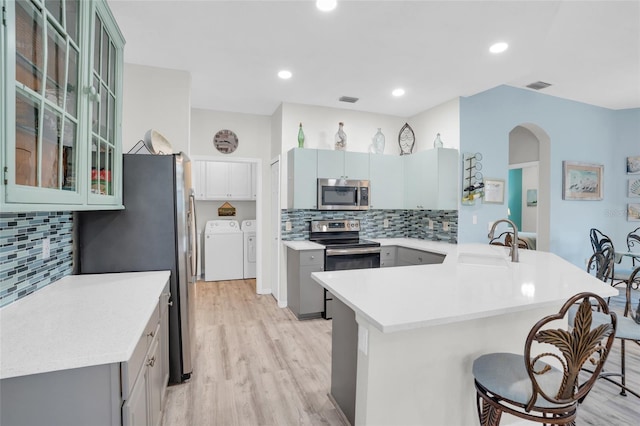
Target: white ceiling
<point x="436" y="50"/>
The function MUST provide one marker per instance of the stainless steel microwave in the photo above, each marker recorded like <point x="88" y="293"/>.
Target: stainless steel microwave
<point x="343" y="194"/>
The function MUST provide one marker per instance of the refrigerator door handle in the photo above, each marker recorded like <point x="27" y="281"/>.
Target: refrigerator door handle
<point x="193" y="244"/>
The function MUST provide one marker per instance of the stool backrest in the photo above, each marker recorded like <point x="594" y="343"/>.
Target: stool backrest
<point x="599" y="241"/>
<point x="576" y="346"/>
<point x="601" y="264"/>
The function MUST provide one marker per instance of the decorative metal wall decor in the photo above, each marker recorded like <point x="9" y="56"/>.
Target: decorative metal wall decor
<point x="472" y="183"/>
<point x="406" y="139"/>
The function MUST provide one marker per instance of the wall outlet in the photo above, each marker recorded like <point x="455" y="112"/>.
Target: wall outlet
<point x="385" y="223"/>
<point x="430" y="224"/>
<point x="363" y="340"/>
<point x="445" y="226"/>
<point x="474" y="219"/>
<point x="46" y="248"/>
<point x="287" y="225"/>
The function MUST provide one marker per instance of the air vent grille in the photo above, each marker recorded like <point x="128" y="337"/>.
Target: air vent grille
<point x="349" y="99"/>
<point x="538" y="85"/>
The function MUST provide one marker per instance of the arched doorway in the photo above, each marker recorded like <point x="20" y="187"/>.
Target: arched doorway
<point x="529" y="182"/>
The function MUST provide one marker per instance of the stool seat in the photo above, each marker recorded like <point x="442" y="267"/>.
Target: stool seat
<point x="506" y="375"/>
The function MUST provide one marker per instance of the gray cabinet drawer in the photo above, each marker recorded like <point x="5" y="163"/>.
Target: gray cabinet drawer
<point x="312" y="257"/>
<point x="408" y="256"/>
<point x="388" y="256"/>
<point x="131" y="368"/>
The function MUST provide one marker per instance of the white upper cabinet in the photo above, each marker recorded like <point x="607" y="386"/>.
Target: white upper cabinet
<point x="431" y="180"/>
<point x="343" y="164"/>
<point x="61" y="106"/>
<point x="302" y="178"/>
<point x="387" y="182"/>
<point x="217" y="180"/>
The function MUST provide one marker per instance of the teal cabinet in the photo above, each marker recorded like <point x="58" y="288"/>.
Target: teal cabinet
<point x="343" y="164"/>
<point x="61" y="106"/>
<point x="387" y="182"/>
<point x="431" y="179"/>
<point x="302" y="178"/>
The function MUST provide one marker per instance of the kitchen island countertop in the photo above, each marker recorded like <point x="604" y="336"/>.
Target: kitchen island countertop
<point x="474" y="281"/>
<point x="78" y="321"/>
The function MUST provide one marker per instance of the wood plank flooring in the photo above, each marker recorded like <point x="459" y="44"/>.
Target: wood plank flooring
<point x="256" y="364"/>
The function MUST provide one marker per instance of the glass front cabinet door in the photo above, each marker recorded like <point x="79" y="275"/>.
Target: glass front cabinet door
<point x="61" y="105"/>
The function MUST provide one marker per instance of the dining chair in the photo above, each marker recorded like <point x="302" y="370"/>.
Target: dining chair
<point x="633" y="244"/>
<point x="506" y="239"/>
<point x="546" y="391"/>
<point x="602" y="243"/>
<point x="628" y="330"/>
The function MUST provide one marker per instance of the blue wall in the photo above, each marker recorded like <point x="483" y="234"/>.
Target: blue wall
<point x="578" y="132"/>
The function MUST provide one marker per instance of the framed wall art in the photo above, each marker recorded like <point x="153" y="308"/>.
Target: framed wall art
<point x="634" y="188"/>
<point x="582" y="181"/>
<point x="633" y="212"/>
<point x="494" y="191"/>
<point x="532" y="197"/>
<point x="633" y="165"/>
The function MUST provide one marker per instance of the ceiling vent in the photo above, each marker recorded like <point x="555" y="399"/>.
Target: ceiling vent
<point x="349" y="99"/>
<point x="538" y="85"/>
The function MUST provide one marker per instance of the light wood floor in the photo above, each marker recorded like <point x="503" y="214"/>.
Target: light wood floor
<point x="255" y="364"/>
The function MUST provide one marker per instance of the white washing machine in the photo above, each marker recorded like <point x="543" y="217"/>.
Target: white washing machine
<point x="223" y="251"/>
<point x="250" y="247"/>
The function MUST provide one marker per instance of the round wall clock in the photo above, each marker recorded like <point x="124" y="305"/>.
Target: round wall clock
<point x="225" y="141"/>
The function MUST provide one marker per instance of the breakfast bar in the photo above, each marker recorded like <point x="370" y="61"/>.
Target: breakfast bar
<point x="412" y="332"/>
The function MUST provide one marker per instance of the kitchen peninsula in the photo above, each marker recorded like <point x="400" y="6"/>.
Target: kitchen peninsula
<point x="404" y="338"/>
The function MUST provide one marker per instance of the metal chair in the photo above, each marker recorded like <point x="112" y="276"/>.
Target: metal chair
<point x="602" y="243"/>
<point x="628" y="330"/>
<point x="532" y="389"/>
<point x="506" y="239"/>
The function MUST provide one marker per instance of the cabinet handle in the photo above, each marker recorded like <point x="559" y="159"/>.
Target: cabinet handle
<point x="151" y="361"/>
<point x="170" y="303"/>
<point x="151" y="333"/>
<point x="313" y="257"/>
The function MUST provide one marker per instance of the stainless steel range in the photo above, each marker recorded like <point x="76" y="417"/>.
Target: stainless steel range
<point x="343" y="250"/>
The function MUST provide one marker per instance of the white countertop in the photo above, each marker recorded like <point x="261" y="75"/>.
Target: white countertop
<point x="485" y="284"/>
<point x="78" y="321"/>
<point x="303" y="245"/>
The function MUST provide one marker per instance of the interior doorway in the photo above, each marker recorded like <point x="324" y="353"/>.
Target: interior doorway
<point x="528" y="185"/>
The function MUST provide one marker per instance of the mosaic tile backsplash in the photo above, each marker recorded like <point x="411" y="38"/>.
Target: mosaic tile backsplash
<point x="402" y="223"/>
<point x="22" y="269"/>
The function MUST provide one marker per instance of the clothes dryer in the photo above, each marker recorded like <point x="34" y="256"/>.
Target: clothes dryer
<point x="250" y="247"/>
<point x="223" y="251"/>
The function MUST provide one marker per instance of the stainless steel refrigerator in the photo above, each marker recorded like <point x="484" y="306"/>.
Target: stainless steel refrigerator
<point x="155" y="231"/>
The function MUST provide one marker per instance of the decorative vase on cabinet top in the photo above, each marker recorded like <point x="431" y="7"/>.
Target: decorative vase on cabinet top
<point x="300" y="137"/>
<point x="437" y="143"/>
<point x="341" y="138"/>
<point x="377" y="146"/>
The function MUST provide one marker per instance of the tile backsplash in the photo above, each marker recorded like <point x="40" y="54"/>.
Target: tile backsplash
<point x="22" y="267"/>
<point x="401" y="223"/>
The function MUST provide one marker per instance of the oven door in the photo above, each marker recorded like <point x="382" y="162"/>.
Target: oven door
<point x="337" y="259"/>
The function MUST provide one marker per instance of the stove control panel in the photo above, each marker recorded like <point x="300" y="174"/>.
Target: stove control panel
<point x="335" y="225"/>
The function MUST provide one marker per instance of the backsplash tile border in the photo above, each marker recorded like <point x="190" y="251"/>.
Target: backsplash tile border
<point x="402" y="223"/>
<point x="22" y="269"/>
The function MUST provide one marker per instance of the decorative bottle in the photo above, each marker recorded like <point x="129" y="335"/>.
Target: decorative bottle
<point x="300" y="137"/>
<point x="341" y="138"/>
<point x="437" y="143"/>
<point x="378" y="142"/>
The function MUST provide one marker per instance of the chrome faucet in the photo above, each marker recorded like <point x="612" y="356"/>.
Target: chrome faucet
<point x="514" y="244"/>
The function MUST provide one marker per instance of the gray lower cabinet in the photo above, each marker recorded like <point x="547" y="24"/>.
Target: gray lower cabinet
<point x="388" y="256"/>
<point x="407" y="256"/>
<point x="305" y="297"/>
<point x="344" y="358"/>
<point x="126" y="393"/>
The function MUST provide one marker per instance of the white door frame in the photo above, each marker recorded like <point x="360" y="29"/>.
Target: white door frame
<point x="275" y="218"/>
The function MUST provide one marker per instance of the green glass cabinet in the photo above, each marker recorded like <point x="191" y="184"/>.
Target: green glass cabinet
<point x="62" y="97"/>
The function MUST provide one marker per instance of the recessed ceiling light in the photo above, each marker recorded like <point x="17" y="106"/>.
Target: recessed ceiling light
<point x="498" y="47"/>
<point x="398" y="92"/>
<point x="285" y="74"/>
<point x="326" y="5"/>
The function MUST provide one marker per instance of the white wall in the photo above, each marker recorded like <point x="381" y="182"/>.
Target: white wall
<point x="254" y="139"/>
<point x="443" y="119"/>
<point x="159" y="99"/>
